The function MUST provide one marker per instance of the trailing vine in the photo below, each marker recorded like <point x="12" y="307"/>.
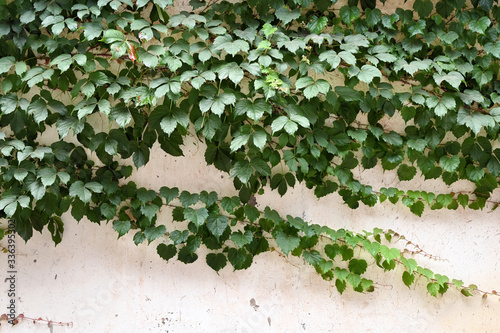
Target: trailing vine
<point x="255" y="82"/>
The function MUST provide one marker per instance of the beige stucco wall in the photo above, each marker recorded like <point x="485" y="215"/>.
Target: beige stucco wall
<point x="101" y="284"/>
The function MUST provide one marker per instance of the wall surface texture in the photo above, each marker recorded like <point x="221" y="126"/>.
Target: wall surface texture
<point x="100" y="284"/>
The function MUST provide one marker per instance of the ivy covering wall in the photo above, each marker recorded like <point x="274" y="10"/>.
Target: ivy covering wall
<point x="254" y="82"/>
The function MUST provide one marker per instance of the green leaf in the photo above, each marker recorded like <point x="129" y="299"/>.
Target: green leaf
<point x="107" y="210"/>
<point x="449" y="163"/>
<point x="320" y="86"/>
<point x="453" y="78"/>
<point x="78" y="189"/>
<point x="149" y="211"/>
<point x="6" y="63"/>
<point x="242" y="239"/>
<point x="348" y="14"/>
<point x="153" y="232"/>
<point x="240" y="259"/>
<point x="408" y="278"/>
<point x="197" y="216"/>
<point x="168" y="124"/>
<point x="368" y="73"/>
<point x="217" y="224"/>
<point x="357" y="266"/>
<point x="417" y="208"/>
<point x="111" y="36"/>
<point x="312" y="257"/>
<point x="27" y="16"/>
<point x="92" y="30"/>
<point x="216" y="261"/>
<point x="474" y="120"/>
<point x="227" y="44"/>
<point x="94" y="187"/>
<point x="230" y="203"/>
<point x="122" y="227"/>
<point x="166" y="252"/>
<point x="179" y="237"/>
<point x="480" y="25"/>
<point x="169" y="193"/>
<point x="423" y="8"/>
<point x="47" y="176"/>
<point x="231" y="71"/>
<point x="331" y="57"/>
<point x="8" y="103"/>
<point x="316" y="24"/>
<point x="287" y="243"/>
<point x="39" y="111"/>
<point x="254" y="110"/>
<point x="433" y="288"/>
<point x="286" y="16"/>
<point x="242" y="170"/>
<point x="340" y="285"/>
<point x="441" y="279"/>
<point x="259" y="138"/>
<point x="239" y="141"/>
<point x="406" y="172"/>
<point x="268" y="30"/>
<point x="389" y="253"/>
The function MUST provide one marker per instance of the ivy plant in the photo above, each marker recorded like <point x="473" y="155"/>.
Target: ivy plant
<point x="253" y="81"/>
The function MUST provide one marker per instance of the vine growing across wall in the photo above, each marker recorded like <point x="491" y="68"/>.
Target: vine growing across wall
<point x="253" y="80"/>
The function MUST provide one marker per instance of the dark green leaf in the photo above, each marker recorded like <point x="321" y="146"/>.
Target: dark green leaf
<point x="166" y="252"/>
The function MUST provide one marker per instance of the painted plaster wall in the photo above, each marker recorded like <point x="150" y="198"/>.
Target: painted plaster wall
<point x="101" y="284"/>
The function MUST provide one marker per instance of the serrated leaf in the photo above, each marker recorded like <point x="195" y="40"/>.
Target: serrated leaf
<point x="357" y="266"/>
<point x="231" y="71"/>
<point x="453" y="78"/>
<point x="217" y="224"/>
<point x="39" y="110"/>
<point x="254" y="110"/>
<point x="47" y="176"/>
<point x="169" y="193"/>
<point x="153" y="232"/>
<point x="474" y="120"/>
<point x="6" y="63"/>
<point x="348" y="14"/>
<point x="242" y="239"/>
<point x="480" y="25"/>
<point x="433" y="288"/>
<point x="320" y="86"/>
<point x="78" y="189"/>
<point x="408" y="278"/>
<point x="406" y="172"/>
<point x="286" y="16"/>
<point x="287" y="243"/>
<point x="316" y="24"/>
<point x="242" y="170"/>
<point x="197" y="216"/>
<point x="122" y="227"/>
<point x="166" y="252"/>
<point x="368" y="73"/>
<point x="449" y="163"/>
<point x="239" y="141"/>
<point x="216" y="261"/>
<point x="168" y="124"/>
<point x="331" y="57"/>
<point x="417" y="208"/>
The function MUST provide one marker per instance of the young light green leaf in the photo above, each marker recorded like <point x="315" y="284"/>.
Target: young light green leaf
<point x="287" y="243"/>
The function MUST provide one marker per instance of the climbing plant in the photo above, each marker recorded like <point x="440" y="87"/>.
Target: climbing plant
<point x="280" y="92"/>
